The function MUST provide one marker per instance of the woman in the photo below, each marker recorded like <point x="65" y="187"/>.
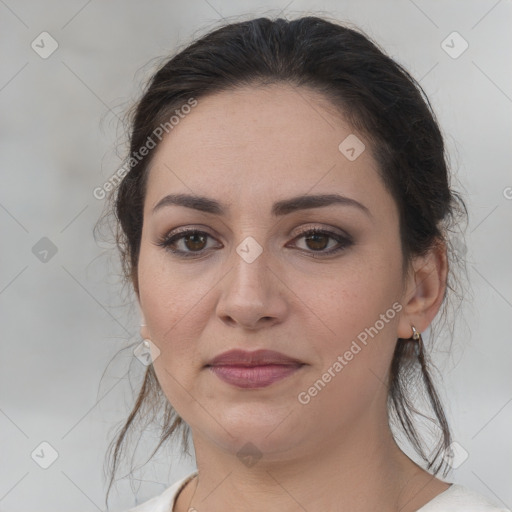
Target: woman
<point x="284" y="221"/>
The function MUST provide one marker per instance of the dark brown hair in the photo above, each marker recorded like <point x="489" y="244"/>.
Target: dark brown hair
<point x="379" y="98"/>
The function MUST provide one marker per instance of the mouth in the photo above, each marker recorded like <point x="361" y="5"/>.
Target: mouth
<point x="256" y="369"/>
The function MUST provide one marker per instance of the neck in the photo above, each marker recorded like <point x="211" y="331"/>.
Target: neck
<point x="363" y="470"/>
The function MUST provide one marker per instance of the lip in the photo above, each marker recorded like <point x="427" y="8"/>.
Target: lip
<point x="256" y="369"/>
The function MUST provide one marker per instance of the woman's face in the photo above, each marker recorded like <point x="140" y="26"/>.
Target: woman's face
<point x="337" y="312"/>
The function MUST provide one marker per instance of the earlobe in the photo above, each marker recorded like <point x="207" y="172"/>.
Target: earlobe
<point x="425" y="291"/>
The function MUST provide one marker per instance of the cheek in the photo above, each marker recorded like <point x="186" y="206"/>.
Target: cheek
<point x="172" y="307"/>
<point x="352" y="297"/>
<point x="175" y="316"/>
<point x="355" y="359"/>
<point x="359" y="311"/>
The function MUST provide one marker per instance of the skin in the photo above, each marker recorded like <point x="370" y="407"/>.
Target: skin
<point x="247" y="149"/>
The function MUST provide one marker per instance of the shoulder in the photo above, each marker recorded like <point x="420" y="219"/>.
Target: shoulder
<point x="458" y="498"/>
<point x="164" y="501"/>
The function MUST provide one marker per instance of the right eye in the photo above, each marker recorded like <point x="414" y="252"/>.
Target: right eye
<point x="193" y="242"/>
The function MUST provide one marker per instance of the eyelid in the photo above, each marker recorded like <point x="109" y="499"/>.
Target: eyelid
<point x="327" y="230"/>
<point x="302" y="230"/>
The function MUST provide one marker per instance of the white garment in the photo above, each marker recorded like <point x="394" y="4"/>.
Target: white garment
<point x="456" y="498"/>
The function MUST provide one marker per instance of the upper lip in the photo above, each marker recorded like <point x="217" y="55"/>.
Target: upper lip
<point x="238" y="357"/>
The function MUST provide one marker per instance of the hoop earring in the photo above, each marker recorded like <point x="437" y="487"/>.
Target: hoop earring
<point x="415" y="334"/>
<point x="418" y="347"/>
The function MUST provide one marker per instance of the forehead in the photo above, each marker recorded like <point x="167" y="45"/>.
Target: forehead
<point x="254" y="145"/>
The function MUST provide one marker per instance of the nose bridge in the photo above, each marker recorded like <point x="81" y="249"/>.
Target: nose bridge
<point x="250" y="291"/>
<point x="250" y="267"/>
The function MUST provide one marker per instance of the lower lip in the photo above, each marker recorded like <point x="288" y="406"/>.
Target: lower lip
<point x="253" y="376"/>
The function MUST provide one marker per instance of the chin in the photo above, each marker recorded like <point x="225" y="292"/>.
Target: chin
<point x="270" y="432"/>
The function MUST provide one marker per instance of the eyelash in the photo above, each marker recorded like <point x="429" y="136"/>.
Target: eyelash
<point x="167" y="241"/>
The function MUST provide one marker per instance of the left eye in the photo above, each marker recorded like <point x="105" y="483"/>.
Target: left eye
<point x="194" y="242"/>
<point x="317" y="240"/>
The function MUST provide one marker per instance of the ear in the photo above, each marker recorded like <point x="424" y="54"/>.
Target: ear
<point x="425" y="290"/>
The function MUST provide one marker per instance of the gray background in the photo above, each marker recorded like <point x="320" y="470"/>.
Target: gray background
<point x="64" y="318"/>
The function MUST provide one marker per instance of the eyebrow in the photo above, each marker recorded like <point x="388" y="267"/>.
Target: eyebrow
<point x="280" y="208"/>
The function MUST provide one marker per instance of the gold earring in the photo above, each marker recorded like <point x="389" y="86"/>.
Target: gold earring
<point x="415" y="334"/>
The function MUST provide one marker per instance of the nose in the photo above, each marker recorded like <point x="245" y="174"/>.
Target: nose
<point x="252" y="294"/>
